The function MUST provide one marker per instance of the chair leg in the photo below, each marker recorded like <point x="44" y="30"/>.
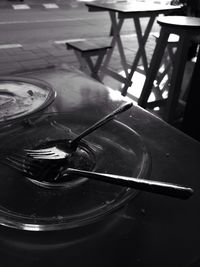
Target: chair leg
<point x="154" y="67"/>
<point x="83" y="65"/>
<point x="95" y="66"/>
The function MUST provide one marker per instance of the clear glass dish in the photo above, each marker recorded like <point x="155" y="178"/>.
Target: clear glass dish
<point x="29" y="205"/>
<point x="21" y="97"/>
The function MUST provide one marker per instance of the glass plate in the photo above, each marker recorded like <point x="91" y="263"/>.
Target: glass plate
<point x="20" y="97"/>
<point x="113" y="148"/>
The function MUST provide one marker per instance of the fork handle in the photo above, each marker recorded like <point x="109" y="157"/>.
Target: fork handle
<point x="101" y="122"/>
<point x="163" y="188"/>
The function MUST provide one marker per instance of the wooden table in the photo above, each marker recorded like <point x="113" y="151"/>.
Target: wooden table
<point x="118" y="13"/>
<point x="151" y="230"/>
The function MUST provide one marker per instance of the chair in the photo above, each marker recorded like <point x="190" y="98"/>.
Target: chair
<point x="87" y="50"/>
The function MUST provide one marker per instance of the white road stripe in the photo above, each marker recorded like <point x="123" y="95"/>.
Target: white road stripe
<point x="85" y="0"/>
<point x="50" y="5"/>
<point x="19" y="7"/>
<point x="5" y="46"/>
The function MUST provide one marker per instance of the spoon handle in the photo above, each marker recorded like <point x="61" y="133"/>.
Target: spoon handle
<point x="101" y="122"/>
<point x="163" y="188"/>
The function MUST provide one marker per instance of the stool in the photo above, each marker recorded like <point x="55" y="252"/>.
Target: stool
<point x="188" y="29"/>
<point x="86" y="49"/>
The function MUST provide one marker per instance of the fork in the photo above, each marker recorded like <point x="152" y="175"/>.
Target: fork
<point x="27" y="166"/>
<point x="24" y="166"/>
<point x="54" y="152"/>
<point x="19" y="163"/>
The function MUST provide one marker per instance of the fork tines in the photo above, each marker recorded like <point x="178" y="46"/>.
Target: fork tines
<point x="23" y="164"/>
<point x="47" y="153"/>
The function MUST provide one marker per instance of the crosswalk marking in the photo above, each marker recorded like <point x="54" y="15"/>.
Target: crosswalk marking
<point x="85" y="0"/>
<point x="50" y="5"/>
<point x="6" y="46"/>
<point x="19" y="7"/>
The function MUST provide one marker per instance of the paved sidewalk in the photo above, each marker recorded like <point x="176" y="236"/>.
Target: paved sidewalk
<point x="29" y="57"/>
<point x="33" y="57"/>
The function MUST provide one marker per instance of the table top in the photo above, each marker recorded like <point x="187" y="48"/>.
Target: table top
<point x="134" y="8"/>
<point x="180" y="21"/>
<point x="151" y="229"/>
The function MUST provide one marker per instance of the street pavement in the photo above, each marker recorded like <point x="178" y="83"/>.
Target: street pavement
<point x="29" y="57"/>
<point x="28" y="4"/>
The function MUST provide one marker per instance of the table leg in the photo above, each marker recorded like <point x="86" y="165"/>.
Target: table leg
<point x="141" y="53"/>
<point x="116" y="41"/>
<point x="143" y="39"/>
<point x="153" y="69"/>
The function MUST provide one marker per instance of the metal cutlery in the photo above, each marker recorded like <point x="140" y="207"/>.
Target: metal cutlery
<point x="55" y="152"/>
<point x="27" y="166"/>
<point x="37" y="171"/>
<point x="163" y="188"/>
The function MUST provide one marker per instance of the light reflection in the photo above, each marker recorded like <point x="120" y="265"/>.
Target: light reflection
<point x="115" y="95"/>
<point x="135" y="89"/>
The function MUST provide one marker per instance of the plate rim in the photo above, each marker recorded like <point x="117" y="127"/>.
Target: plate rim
<point x="52" y="94"/>
<point x="27" y="225"/>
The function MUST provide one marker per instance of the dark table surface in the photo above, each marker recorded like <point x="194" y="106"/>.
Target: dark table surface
<point x="151" y="230"/>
